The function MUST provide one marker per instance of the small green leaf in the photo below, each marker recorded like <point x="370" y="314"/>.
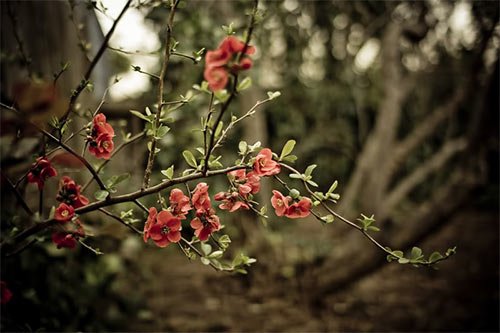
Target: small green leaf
<point x="242" y="147"/>
<point x="206" y="248"/>
<point x="310" y="169"/>
<point x="205" y="261"/>
<point x="273" y="94"/>
<point x="328" y="218"/>
<point x="403" y="260"/>
<point x="101" y="194"/>
<point x="290" y="158"/>
<point x="169" y="173"/>
<point x="312" y="183"/>
<point x="333" y="187"/>
<point x="287" y="149"/>
<point x="140" y="115"/>
<point x="244" y="84"/>
<point x="294" y="193"/>
<point x="189" y="157"/>
<point x="162" y="131"/>
<point x="373" y="228"/>
<point x="215" y="255"/>
<point x="295" y="176"/>
<point x="416" y="253"/>
<point x="435" y="256"/>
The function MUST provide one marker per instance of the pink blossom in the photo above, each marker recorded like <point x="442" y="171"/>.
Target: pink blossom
<point x="280" y="203"/>
<point x="264" y="164"/>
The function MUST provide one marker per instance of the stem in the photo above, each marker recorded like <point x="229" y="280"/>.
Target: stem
<point x="119" y="219"/>
<point x="18" y="195"/>
<point x="161" y="79"/>
<point x="26" y="60"/>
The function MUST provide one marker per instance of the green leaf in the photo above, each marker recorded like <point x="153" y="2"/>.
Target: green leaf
<point x="101" y="195"/>
<point x="403" y="260"/>
<point x="398" y="254"/>
<point x="328" y="218"/>
<point x="310" y="169"/>
<point x="221" y="95"/>
<point x="416" y="253"/>
<point x="273" y="94"/>
<point x="451" y="251"/>
<point x="435" y="256"/>
<point x="162" y="131"/>
<point x="294" y="193"/>
<point x="215" y="255"/>
<point x="242" y="147"/>
<point x="312" y="183"/>
<point x="115" y="180"/>
<point x="206" y="248"/>
<point x="189" y="157"/>
<point x="169" y="173"/>
<point x="140" y="115"/>
<point x="373" y="228"/>
<point x="205" y="261"/>
<point x="333" y="187"/>
<point x="295" y="176"/>
<point x="244" y="84"/>
<point x="219" y="128"/>
<point x="287" y="149"/>
<point x="290" y="158"/>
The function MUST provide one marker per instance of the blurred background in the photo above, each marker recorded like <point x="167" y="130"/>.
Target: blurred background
<point x="396" y="100"/>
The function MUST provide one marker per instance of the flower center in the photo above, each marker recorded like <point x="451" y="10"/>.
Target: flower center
<point x="279" y="202"/>
<point x="262" y="162"/>
<point x="105" y="144"/>
<point x="64" y="213"/>
<point x="165" y="230"/>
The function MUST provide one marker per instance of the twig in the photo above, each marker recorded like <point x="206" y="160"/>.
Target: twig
<point x="161" y="79"/>
<point x="18" y="195"/>
<point x="119" y="219"/>
<point x="92" y="65"/>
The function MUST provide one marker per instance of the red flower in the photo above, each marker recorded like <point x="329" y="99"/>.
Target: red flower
<point x="101" y="126"/>
<point x="234" y="45"/>
<point x="216" y="77"/>
<point x="40" y="171"/>
<point x="179" y="203"/>
<point x="218" y="62"/>
<point x="230" y="201"/>
<point x="149" y="223"/>
<point x="280" y="203"/>
<point x="299" y="209"/>
<point x="63" y="239"/>
<point x="64" y="213"/>
<point x="201" y="199"/>
<point x="166" y="229"/>
<point x="205" y="223"/>
<point x="102" y="146"/>
<point x="69" y="193"/>
<point x="217" y="58"/>
<point x="6" y="294"/>
<point x="264" y="164"/>
<point x="101" y="137"/>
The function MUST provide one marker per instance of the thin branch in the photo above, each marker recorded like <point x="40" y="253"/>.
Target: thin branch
<point x="18" y="195"/>
<point x="161" y="78"/>
<point x="119" y="219"/>
<point x="83" y="84"/>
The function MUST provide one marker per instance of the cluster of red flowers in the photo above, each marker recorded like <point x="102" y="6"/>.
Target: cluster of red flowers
<point x="164" y="227"/>
<point x="71" y="227"/>
<point x="283" y="206"/>
<point x="100" y="138"/>
<point x="243" y="185"/>
<point x="224" y="59"/>
<point x="40" y="171"/>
